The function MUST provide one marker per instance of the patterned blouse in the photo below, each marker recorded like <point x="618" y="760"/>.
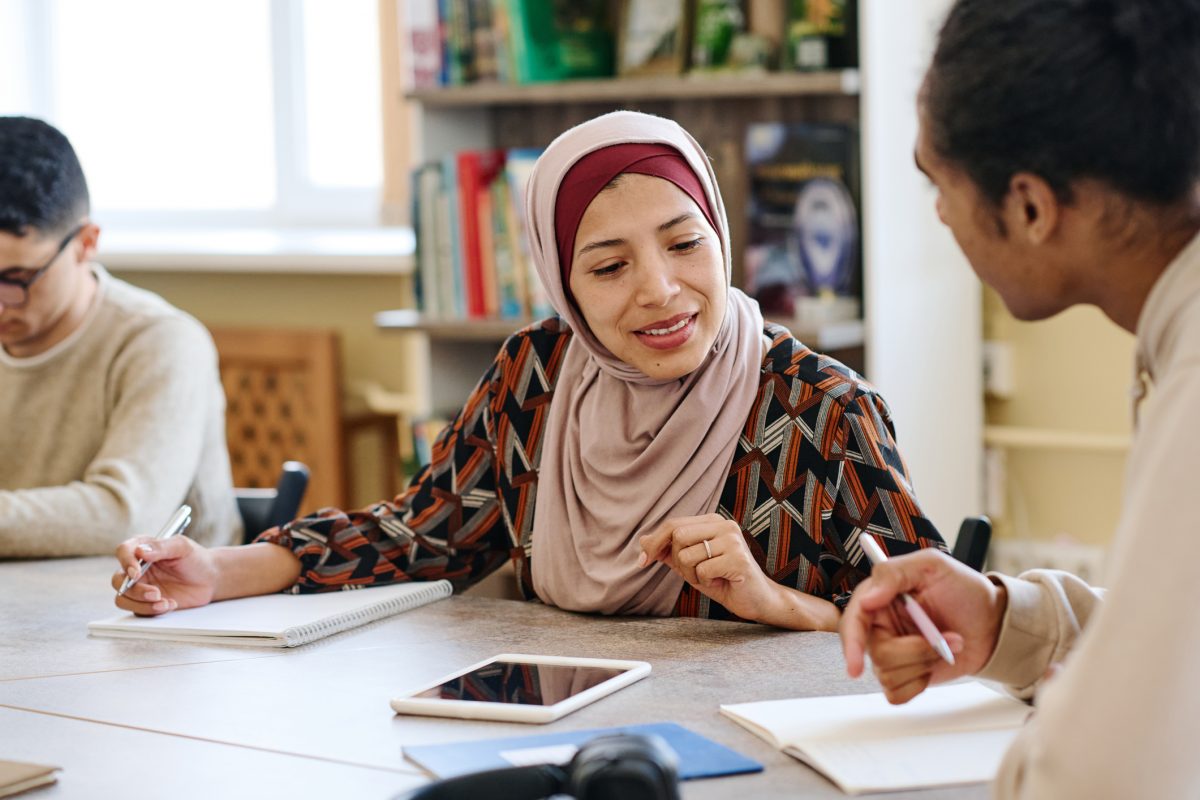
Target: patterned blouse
<point x="816" y="464"/>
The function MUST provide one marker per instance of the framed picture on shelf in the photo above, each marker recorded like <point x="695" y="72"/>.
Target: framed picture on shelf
<point x="802" y="255"/>
<point x="652" y="37"/>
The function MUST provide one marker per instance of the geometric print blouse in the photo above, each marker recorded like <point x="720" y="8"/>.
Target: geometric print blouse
<point x="815" y="465"/>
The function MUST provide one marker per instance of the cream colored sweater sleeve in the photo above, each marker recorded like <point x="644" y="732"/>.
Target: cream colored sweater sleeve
<point x="1122" y="718"/>
<point x="157" y="391"/>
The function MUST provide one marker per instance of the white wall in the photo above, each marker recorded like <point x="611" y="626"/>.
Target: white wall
<point x="923" y="302"/>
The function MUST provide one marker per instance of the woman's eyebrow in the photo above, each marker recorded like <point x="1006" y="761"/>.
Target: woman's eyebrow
<point x="590" y="246"/>
<point x="672" y="223"/>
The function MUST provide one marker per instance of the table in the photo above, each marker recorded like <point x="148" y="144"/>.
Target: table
<point x="208" y="721"/>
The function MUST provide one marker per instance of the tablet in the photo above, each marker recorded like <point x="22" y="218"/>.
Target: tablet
<point x="522" y="688"/>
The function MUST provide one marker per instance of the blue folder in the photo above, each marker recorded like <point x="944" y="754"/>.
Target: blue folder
<point x="698" y="757"/>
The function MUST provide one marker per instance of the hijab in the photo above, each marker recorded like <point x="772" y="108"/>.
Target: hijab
<point x="624" y="452"/>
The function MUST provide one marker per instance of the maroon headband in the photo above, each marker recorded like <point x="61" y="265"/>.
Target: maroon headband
<point x="593" y="172"/>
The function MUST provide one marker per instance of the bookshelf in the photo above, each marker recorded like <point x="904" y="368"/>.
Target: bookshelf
<point x="919" y="338"/>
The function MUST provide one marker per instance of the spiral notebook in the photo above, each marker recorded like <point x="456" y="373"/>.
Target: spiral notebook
<point x="275" y="620"/>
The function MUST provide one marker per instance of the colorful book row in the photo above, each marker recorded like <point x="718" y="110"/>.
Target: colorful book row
<point x="457" y="42"/>
<point x="472" y="250"/>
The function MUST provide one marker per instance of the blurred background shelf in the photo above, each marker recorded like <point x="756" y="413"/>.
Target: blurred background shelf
<point x="698" y="86"/>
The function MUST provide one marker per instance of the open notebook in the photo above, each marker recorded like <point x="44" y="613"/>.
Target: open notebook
<point x="275" y="620"/>
<point x="946" y="736"/>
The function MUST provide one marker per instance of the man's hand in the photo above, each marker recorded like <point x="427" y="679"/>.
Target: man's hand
<point x="965" y="606"/>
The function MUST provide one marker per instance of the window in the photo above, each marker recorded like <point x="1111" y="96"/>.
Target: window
<point x="227" y="112"/>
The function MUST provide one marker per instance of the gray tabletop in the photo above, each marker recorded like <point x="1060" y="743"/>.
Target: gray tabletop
<point x="327" y="702"/>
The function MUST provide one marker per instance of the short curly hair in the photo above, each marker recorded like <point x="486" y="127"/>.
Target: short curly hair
<point x="1069" y="90"/>
<point x="42" y="186"/>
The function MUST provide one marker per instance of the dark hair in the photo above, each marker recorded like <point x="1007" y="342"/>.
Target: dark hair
<point x="41" y="182"/>
<point x="1068" y="90"/>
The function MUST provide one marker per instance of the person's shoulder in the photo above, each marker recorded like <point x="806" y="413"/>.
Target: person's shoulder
<point x="144" y="321"/>
<point x="545" y="340"/>
<point x="795" y="364"/>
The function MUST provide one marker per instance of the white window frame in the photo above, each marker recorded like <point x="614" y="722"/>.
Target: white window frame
<point x="298" y="202"/>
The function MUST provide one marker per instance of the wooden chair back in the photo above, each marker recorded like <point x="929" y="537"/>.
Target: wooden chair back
<point x="283" y="391"/>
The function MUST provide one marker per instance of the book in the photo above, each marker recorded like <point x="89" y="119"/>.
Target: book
<point x="18" y="776"/>
<point x="510" y="275"/>
<point x="275" y="620"/>
<point x="487" y="251"/>
<point x="554" y="41"/>
<point x="456" y="16"/>
<point x="518" y="169"/>
<point x="946" y="736"/>
<point x="476" y="169"/>
<point x="699" y="757"/>
<point x="453" y="302"/>
<point x="427" y="184"/>
<point x="424" y="57"/>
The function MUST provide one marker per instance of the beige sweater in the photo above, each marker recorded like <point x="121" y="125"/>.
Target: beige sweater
<point x="105" y="434"/>
<point x="1122" y="719"/>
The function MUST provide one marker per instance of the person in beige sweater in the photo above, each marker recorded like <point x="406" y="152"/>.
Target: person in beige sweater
<point x="1063" y="138"/>
<point x="111" y="407"/>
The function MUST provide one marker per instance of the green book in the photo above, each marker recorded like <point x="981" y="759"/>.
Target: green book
<point x="550" y="41"/>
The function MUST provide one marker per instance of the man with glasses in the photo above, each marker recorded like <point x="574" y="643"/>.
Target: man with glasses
<point x="111" y="408"/>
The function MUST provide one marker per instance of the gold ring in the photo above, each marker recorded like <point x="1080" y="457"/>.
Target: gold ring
<point x="707" y="549"/>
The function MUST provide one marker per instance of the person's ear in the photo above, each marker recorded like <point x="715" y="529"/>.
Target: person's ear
<point x="1031" y="208"/>
<point x="89" y="240"/>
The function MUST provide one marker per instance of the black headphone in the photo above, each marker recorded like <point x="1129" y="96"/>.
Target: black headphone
<point x="614" y="767"/>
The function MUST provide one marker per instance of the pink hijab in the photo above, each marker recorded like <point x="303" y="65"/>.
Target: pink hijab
<point x="623" y="452"/>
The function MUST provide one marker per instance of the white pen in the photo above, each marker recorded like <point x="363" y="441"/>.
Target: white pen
<point x="924" y="624"/>
<point x="177" y="525"/>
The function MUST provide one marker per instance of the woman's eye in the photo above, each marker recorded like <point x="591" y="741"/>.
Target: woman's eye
<point x="684" y="247"/>
<point x="607" y="269"/>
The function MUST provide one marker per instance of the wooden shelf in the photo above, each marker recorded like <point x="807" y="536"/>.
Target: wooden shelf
<point x="616" y="90"/>
<point x="450" y="330"/>
<point x="826" y="336"/>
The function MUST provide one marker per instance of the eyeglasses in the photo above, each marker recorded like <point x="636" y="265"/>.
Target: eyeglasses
<point x="15" y="281"/>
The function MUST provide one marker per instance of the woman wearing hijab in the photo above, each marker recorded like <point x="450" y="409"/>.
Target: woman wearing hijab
<point x="654" y="449"/>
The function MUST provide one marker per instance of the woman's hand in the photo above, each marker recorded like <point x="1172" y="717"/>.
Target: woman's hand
<point x="183" y="574"/>
<point x="710" y="553"/>
<point x="965" y="606"/>
<point x="179" y="574"/>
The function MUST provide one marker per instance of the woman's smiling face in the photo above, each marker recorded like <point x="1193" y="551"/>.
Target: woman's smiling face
<point x="648" y="275"/>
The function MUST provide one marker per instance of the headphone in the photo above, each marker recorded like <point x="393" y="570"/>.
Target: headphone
<point x="613" y="767"/>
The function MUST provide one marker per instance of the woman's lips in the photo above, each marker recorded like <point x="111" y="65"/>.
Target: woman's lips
<point x="681" y="328"/>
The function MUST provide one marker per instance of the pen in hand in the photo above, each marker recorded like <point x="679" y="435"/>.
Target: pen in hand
<point x="177" y="525"/>
<point x="924" y="624"/>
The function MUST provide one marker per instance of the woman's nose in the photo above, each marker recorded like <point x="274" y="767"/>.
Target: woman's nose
<point x="658" y="284"/>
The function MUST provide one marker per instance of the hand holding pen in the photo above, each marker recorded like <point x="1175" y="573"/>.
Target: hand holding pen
<point x="963" y="607"/>
<point x="915" y="612"/>
<point x="175" y="526"/>
<point x="182" y="574"/>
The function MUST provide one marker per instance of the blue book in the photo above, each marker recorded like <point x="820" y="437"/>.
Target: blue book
<point x="699" y="757"/>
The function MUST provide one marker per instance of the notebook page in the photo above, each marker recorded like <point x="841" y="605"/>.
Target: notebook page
<point x="270" y="615"/>
<point x="946" y="735"/>
<point x="876" y="765"/>
<point x="941" y="709"/>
